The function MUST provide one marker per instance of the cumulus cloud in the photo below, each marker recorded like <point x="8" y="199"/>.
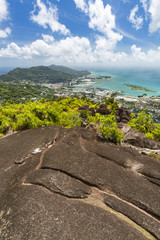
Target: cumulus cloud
<point x="79" y="51"/>
<point x="47" y="16"/>
<point x="4" y="15"/>
<point x="154" y="10"/>
<point x="136" y="21"/>
<point x="101" y="19"/>
<point x="81" y="4"/>
<point x="71" y="49"/>
<point x="3" y="10"/>
<point x="47" y="38"/>
<point x="5" y="33"/>
<point x="150" y="58"/>
<point x="137" y="53"/>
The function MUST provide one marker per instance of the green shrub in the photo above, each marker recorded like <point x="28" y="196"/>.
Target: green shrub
<point x="108" y="127"/>
<point x="64" y="112"/>
<point x="111" y="104"/>
<point x="70" y="119"/>
<point x="156" y="132"/>
<point x="149" y="135"/>
<point x="143" y="122"/>
<point x="26" y="121"/>
<point x="5" y="124"/>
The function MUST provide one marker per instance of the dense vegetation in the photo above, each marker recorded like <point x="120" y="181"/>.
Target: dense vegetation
<point x="20" y="93"/>
<point x="63" y="112"/>
<point x="36" y="75"/>
<point x="70" y="112"/>
<point x="70" y="71"/>
<point x="144" y="123"/>
<point x="42" y="74"/>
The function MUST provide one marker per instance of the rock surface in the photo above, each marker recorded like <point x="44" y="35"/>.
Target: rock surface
<point x="138" y="139"/>
<point x="70" y="184"/>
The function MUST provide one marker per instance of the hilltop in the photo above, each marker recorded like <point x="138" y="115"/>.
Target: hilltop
<point x="59" y="183"/>
<point x="42" y="74"/>
<point x="70" y="71"/>
<point x="67" y="179"/>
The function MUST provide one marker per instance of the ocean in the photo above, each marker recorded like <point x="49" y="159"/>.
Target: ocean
<point x="147" y="79"/>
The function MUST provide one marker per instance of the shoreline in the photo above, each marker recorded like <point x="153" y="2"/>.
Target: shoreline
<point x="131" y="83"/>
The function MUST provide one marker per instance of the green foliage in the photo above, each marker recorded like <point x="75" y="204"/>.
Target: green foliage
<point x="144" y="123"/>
<point x="63" y="112"/>
<point x="108" y="127"/>
<point x="70" y="71"/>
<point x="40" y="74"/>
<point x="156" y="132"/>
<point x="70" y="119"/>
<point x="34" y="114"/>
<point x="20" y="93"/>
<point x="149" y="135"/>
<point x="155" y="155"/>
<point x="111" y="104"/>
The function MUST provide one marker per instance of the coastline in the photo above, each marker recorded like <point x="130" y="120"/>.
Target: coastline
<point x="140" y="81"/>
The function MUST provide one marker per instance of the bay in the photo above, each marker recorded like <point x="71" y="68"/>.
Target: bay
<point x="148" y="79"/>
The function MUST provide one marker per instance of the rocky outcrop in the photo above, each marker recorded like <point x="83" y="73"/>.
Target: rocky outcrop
<point x="63" y="184"/>
<point x="138" y="139"/>
<point x="122" y="115"/>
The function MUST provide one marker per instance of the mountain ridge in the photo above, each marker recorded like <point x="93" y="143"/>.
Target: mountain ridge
<point x="42" y="74"/>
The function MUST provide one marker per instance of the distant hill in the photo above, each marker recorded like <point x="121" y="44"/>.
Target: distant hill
<point x="69" y="70"/>
<point x="42" y="74"/>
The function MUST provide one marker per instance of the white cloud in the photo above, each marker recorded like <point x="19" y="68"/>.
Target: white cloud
<point x="79" y="51"/>
<point x="5" y="33"/>
<point x="71" y="49"/>
<point x="137" y="53"/>
<point x="81" y="4"/>
<point x="101" y="19"/>
<point x="47" y="38"/>
<point x="4" y="15"/>
<point x="144" y="4"/>
<point x="154" y="10"/>
<point x="48" y="16"/>
<point x="136" y="21"/>
<point x="3" y="10"/>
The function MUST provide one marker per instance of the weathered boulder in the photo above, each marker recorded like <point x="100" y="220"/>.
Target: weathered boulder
<point x="122" y="115"/>
<point x="69" y="184"/>
<point x="138" y="139"/>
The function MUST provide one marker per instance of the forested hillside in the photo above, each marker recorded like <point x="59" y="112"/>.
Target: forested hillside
<point x="42" y="74"/>
<point x="19" y="93"/>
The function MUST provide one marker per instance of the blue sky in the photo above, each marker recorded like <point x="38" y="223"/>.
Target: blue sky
<point x="80" y="33"/>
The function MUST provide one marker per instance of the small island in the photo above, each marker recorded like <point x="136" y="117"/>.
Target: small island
<point x="134" y="87"/>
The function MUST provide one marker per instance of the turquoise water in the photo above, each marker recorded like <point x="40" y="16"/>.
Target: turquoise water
<point x="147" y="79"/>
